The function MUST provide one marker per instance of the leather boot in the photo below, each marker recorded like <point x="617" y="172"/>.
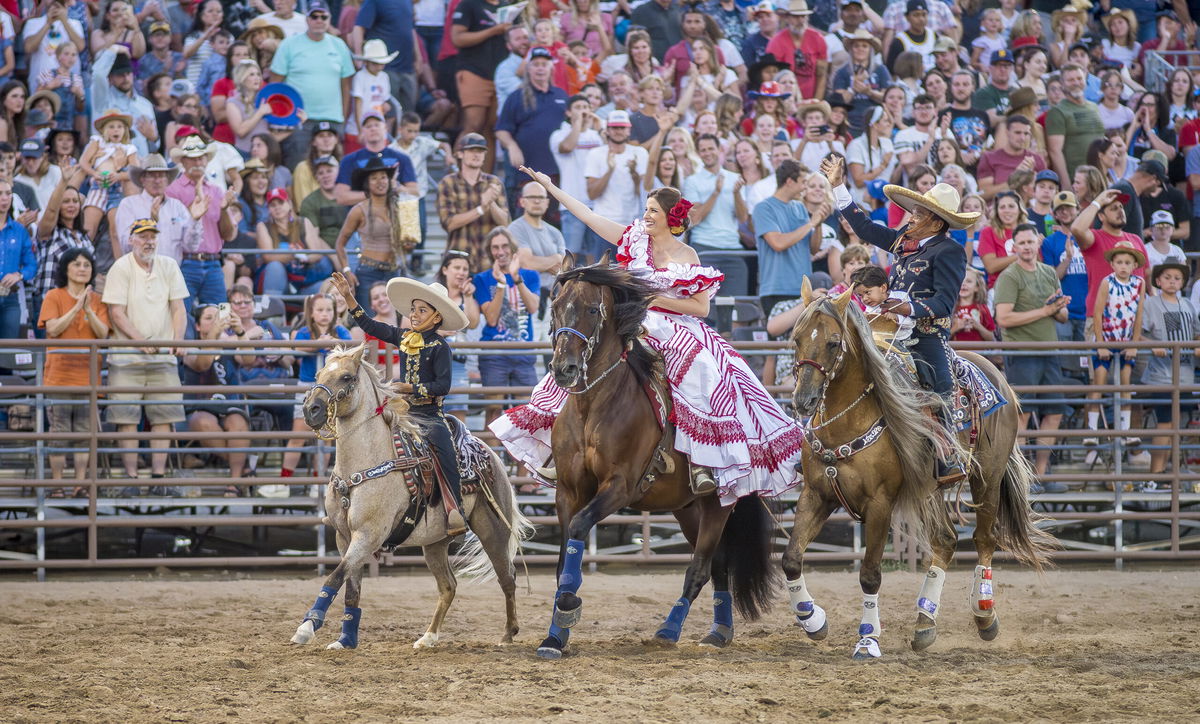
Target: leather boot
<point x="949" y="470"/>
<point x="702" y="481"/>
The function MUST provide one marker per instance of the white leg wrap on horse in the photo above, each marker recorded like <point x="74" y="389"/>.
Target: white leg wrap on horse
<point x="981" y="591"/>
<point x="870" y="618"/>
<point x="930" y="597"/>
<point x="427" y="641"/>
<point x="809" y="615"/>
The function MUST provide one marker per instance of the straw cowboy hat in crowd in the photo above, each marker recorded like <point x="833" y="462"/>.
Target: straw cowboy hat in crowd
<point x="154" y="162"/>
<point x="864" y="36"/>
<point x="1126" y="247"/>
<point x="941" y="200"/>
<point x="261" y="23"/>
<point x="1078" y="8"/>
<point x="821" y="106"/>
<point x="112" y="114"/>
<point x="1126" y="13"/>
<point x="402" y="292"/>
<point x="192" y="147"/>
<point x="375" y="51"/>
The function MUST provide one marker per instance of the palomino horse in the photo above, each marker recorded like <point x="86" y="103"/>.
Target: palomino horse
<point x="369" y="497"/>
<point x="604" y="442"/>
<point x="870" y="448"/>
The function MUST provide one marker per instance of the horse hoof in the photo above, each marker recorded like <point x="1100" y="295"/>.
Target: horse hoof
<point x="714" y="641"/>
<point x="866" y="649"/>
<point x="923" y="638"/>
<point x="991" y="631"/>
<point x="427" y="641"/>
<point x="550" y="648"/>
<point x="819" y="634"/>
<point x="304" y="633"/>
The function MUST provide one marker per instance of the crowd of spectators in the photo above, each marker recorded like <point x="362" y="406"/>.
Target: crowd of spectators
<point x="196" y="156"/>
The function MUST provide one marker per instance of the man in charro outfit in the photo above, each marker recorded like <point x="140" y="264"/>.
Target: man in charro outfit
<point x="929" y="270"/>
<point x="425" y="377"/>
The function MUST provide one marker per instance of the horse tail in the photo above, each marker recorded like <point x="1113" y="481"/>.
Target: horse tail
<point x="1016" y="523"/>
<point x="746" y="545"/>
<point x="472" y="561"/>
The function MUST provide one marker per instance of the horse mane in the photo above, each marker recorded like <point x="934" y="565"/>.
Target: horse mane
<point x="631" y="299"/>
<point x="395" y="407"/>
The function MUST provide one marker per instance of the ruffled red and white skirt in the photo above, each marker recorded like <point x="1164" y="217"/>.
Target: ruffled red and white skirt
<point x="724" y="418"/>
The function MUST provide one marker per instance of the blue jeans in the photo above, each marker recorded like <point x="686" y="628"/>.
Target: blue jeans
<point x="574" y="232"/>
<point x="205" y="282"/>
<point x="367" y="277"/>
<point x="508" y="371"/>
<point x="273" y="278"/>
<point x="10" y="314"/>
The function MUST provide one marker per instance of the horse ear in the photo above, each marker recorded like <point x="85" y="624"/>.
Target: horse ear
<point x="361" y="353"/>
<point x="843" y="300"/>
<point x="605" y="259"/>
<point x="568" y="262"/>
<point x="805" y="291"/>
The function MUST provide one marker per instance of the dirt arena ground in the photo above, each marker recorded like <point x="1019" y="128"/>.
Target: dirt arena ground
<point x="1075" y="646"/>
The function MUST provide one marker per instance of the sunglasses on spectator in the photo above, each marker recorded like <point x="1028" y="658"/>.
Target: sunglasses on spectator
<point x="319" y="16"/>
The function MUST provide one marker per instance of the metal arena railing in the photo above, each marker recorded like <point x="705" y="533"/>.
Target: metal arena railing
<point x="654" y="539"/>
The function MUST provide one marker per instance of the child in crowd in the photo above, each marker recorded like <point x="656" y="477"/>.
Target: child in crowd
<point x="581" y="69"/>
<point x="64" y="82"/>
<point x="1060" y="251"/>
<point x="420" y="149"/>
<point x="991" y="38"/>
<point x="1160" y="250"/>
<point x="214" y="66"/>
<point x="853" y="258"/>
<point x="1117" y="317"/>
<point x="370" y="89"/>
<point x="871" y="284"/>
<point x="972" y="320"/>
<point x="107" y="160"/>
<point x="316" y="323"/>
<point x="546" y="35"/>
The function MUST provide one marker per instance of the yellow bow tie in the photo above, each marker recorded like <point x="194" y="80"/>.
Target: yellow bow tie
<point x="412" y="343"/>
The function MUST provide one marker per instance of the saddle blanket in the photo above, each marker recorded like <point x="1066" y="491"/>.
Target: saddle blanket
<point x="974" y="386"/>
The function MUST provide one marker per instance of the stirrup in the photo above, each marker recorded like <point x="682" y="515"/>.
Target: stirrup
<point x="549" y="472"/>
<point x="949" y="472"/>
<point x="701" y="480"/>
<point x="456" y="524"/>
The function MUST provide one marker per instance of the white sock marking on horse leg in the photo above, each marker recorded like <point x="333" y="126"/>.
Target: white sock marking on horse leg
<point x="304" y="633"/>
<point x="427" y="641"/>
<point x="809" y="615"/>
<point x="930" y="597"/>
<point x="981" y="591"/>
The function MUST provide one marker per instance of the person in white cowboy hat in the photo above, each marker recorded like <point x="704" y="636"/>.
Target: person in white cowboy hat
<point x="371" y="87"/>
<point x="209" y="224"/>
<point x="152" y="202"/>
<point x="425" y="379"/>
<point x="929" y="268"/>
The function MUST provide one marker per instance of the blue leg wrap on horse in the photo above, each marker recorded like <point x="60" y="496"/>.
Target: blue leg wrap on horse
<point x="569" y="581"/>
<point x="722" y="614"/>
<point x="672" y="627"/>
<point x="350" y="619"/>
<point x="316" y="614"/>
<point x="572" y="571"/>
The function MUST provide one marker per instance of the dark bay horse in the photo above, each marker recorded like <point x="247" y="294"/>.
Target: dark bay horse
<point x="870" y="448"/>
<point x="604" y="440"/>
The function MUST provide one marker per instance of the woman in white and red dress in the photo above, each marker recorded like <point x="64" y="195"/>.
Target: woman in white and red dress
<point x="725" y="419"/>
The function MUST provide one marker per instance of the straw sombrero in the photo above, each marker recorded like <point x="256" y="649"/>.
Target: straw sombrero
<point x="942" y="200"/>
<point x="1126" y="247"/>
<point x="402" y="292"/>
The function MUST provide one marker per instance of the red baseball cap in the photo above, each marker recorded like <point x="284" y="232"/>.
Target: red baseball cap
<point x="277" y="194"/>
<point x="185" y="131"/>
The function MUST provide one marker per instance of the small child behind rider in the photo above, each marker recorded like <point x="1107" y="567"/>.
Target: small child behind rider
<point x="973" y="321"/>
<point x="871" y="285"/>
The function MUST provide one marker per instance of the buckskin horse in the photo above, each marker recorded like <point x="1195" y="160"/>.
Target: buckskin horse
<point x="377" y="496"/>
<point x="611" y="454"/>
<point x="870" y="449"/>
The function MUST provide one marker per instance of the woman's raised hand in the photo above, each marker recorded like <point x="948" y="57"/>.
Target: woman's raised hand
<point x="538" y="176"/>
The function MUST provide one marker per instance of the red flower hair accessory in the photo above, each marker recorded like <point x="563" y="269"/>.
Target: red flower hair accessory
<point x="677" y="215"/>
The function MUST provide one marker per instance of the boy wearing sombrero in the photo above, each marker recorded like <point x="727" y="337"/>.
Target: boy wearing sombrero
<point x="425" y="377"/>
<point x="930" y="267"/>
